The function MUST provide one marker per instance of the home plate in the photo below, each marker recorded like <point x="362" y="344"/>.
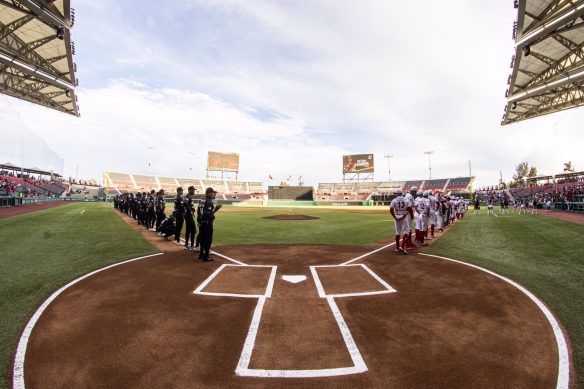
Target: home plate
<point x="294" y="279"/>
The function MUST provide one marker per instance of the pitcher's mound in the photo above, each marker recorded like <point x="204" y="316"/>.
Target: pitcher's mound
<point x="290" y="217"/>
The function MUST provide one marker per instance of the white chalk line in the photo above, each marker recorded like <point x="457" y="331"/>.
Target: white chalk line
<point x="247" y="351"/>
<point x="18" y="371"/>
<point x="243" y="369"/>
<point x="322" y="293"/>
<point x="222" y="256"/>
<point x="367" y="254"/>
<point x="563" y="355"/>
<point x="82" y="212"/>
<point x="267" y="293"/>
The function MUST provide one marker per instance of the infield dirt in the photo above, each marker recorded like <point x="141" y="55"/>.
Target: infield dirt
<point x="140" y="325"/>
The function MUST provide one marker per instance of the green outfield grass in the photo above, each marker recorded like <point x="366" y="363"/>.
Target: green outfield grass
<point x="43" y="250"/>
<point x="544" y="255"/>
<point x="46" y="249"/>
<point x="348" y="228"/>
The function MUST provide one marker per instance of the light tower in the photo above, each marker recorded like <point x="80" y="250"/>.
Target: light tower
<point x="429" y="163"/>
<point x="389" y="157"/>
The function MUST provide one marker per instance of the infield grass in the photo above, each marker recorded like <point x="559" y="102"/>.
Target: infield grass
<point x="42" y="251"/>
<point x="543" y="254"/>
<point x="347" y="228"/>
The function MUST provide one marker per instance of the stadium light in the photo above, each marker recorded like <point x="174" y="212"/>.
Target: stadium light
<point x="429" y="163"/>
<point x="389" y="157"/>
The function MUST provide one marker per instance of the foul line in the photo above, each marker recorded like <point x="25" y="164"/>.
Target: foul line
<point x="18" y="372"/>
<point x="367" y="254"/>
<point x="563" y="355"/>
<point x="223" y="256"/>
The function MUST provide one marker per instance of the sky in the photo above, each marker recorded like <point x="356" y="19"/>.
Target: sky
<point x="292" y="86"/>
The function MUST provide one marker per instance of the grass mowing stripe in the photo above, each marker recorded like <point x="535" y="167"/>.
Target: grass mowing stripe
<point x="542" y="254"/>
<point x="331" y="228"/>
<point x="43" y="250"/>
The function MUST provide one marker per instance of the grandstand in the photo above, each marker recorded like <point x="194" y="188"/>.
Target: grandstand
<point x="32" y="181"/>
<point x="381" y="191"/>
<point x="116" y="183"/>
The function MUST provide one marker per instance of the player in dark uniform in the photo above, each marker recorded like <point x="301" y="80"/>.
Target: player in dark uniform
<point x="144" y="208"/>
<point x="477" y="203"/>
<point x="179" y="214"/>
<point x="139" y="207"/>
<point x="151" y="210"/>
<point x="205" y="217"/>
<point x="505" y="204"/>
<point x="160" y="207"/>
<point x="134" y="206"/>
<point x="189" y="218"/>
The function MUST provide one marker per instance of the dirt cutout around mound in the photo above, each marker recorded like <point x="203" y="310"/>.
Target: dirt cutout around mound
<point x="290" y="217"/>
<point x="142" y="325"/>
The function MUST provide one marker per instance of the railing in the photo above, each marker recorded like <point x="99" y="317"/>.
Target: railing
<point x="9" y="201"/>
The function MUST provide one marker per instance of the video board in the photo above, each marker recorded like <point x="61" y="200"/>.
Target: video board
<point x="223" y="161"/>
<point x="358" y="163"/>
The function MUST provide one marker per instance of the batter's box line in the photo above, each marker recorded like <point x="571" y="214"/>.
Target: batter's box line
<point x="323" y="294"/>
<point x="243" y="369"/>
<point x="267" y="293"/>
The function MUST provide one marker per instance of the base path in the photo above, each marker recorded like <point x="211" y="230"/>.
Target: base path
<point x="22" y="209"/>
<point x="292" y="318"/>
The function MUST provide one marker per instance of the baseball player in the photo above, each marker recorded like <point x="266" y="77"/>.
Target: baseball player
<point x="410" y="198"/>
<point x="433" y="215"/>
<point x="205" y="218"/>
<point x="401" y="211"/>
<point x="421" y="208"/>
<point x="179" y="214"/>
<point x="189" y="218"/>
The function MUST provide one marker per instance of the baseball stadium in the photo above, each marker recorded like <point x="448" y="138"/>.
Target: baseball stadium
<point x="186" y="254"/>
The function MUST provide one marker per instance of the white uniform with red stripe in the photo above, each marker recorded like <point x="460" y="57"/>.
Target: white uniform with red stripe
<point x="410" y="199"/>
<point x="400" y="208"/>
<point x="434" y="207"/>
<point x="422" y="208"/>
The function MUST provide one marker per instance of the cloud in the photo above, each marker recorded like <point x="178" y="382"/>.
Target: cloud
<point x="294" y="85"/>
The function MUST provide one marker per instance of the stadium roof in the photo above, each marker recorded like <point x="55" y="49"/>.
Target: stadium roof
<point x="12" y="167"/>
<point x="36" y="53"/>
<point x="548" y="65"/>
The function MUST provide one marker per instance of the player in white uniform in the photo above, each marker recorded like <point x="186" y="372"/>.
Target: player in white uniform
<point x="426" y="215"/>
<point x="410" y="197"/>
<point x="433" y="213"/>
<point x="422" y="206"/>
<point x="401" y="210"/>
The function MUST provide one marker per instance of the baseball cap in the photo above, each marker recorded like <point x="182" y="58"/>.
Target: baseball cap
<point x="398" y="191"/>
<point x="191" y="188"/>
<point x="210" y="190"/>
<point x="414" y="188"/>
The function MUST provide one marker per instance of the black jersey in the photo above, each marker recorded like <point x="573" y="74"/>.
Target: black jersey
<point x="160" y="204"/>
<point x="179" y="206"/>
<point x="189" y="205"/>
<point x="206" y="211"/>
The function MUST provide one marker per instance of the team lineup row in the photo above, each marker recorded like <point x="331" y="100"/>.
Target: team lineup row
<point x="428" y="210"/>
<point x="149" y="211"/>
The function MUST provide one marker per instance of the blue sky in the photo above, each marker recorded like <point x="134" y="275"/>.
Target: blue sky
<point x="292" y="86"/>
